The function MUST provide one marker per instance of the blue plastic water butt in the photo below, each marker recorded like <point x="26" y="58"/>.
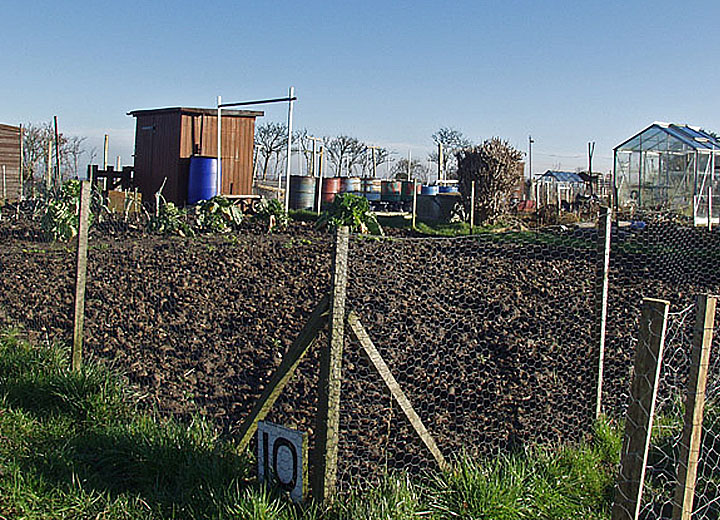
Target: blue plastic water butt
<point x="202" y="183"/>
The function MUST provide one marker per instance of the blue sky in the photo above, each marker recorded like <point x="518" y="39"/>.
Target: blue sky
<point x="392" y="73"/>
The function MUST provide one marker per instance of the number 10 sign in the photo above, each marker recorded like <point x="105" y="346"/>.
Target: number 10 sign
<point x="282" y="458"/>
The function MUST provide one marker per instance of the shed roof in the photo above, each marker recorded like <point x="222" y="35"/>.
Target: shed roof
<point x="562" y="176"/>
<point x="198" y="111"/>
<point x="658" y="136"/>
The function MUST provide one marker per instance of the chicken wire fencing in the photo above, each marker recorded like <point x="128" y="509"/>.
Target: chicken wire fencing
<point x="660" y="256"/>
<point x="669" y="422"/>
<point x="490" y="338"/>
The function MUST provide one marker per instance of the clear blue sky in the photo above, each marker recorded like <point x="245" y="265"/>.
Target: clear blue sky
<point x="389" y="73"/>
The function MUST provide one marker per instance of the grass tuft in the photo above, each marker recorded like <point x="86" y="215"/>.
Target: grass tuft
<point x="74" y="446"/>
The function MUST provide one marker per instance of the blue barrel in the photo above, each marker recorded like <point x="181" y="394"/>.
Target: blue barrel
<point x="429" y="190"/>
<point x="302" y="192"/>
<point x="202" y="182"/>
<point x="350" y="184"/>
<point x="372" y="188"/>
<point x="452" y="188"/>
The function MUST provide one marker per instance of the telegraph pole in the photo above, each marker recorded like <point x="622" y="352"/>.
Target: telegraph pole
<point x="591" y="151"/>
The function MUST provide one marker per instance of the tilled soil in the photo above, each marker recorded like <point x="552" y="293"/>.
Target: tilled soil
<point x="492" y="339"/>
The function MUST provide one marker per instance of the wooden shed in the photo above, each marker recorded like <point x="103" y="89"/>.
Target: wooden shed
<point x="10" y="185"/>
<point x="166" y="138"/>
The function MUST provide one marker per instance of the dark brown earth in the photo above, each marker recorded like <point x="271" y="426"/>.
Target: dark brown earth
<point x="492" y="338"/>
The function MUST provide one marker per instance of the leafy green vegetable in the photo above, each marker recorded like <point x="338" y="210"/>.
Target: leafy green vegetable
<point x="352" y="211"/>
<point x="218" y="215"/>
<point x="170" y="220"/>
<point x="273" y="212"/>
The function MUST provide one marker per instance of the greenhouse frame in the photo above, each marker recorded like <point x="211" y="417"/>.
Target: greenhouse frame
<point x="669" y="167"/>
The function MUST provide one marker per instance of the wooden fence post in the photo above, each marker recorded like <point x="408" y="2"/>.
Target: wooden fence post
<point x="601" y="298"/>
<point x="639" y="417"/>
<point x="328" y="413"/>
<point x="694" y="408"/>
<point x="81" y="274"/>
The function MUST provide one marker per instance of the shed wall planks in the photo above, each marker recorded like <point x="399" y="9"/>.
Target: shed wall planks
<point x="10" y="158"/>
<point x="166" y="139"/>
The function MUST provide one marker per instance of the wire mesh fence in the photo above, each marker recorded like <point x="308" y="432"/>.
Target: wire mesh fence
<point x="488" y="336"/>
<point x="491" y="338"/>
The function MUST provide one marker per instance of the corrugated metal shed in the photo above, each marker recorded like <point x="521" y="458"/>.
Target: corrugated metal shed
<point x="166" y="138"/>
<point x="558" y="176"/>
<point x="10" y="158"/>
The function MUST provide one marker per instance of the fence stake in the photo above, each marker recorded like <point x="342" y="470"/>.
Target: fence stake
<point x="694" y="407"/>
<point x="328" y="414"/>
<point x="601" y="297"/>
<point x="639" y="418"/>
<point x="81" y="275"/>
<point x="284" y="373"/>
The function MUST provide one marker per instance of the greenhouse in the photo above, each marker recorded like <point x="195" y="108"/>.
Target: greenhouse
<point x="669" y="167"/>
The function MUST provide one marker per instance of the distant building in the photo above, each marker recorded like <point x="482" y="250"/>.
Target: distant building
<point x="166" y="138"/>
<point x="10" y="184"/>
<point x="670" y="167"/>
<point x="553" y="187"/>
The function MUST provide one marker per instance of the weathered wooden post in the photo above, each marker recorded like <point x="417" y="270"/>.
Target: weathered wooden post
<point x="639" y="417"/>
<point x="81" y="274"/>
<point x="328" y="414"/>
<point x="601" y="297"/>
<point x="694" y="408"/>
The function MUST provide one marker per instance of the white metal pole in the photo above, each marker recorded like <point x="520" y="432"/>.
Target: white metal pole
<point x="4" y="184"/>
<point x="22" y="158"/>
<point x="219" y="145"/>
<point x="291" y="94"/>
<point x="409" y="163"/>
<point x="440" y="162"/>
<point x="320" y="179"/>
<point x="314" y="158"/>
<point x="710" y="184"/>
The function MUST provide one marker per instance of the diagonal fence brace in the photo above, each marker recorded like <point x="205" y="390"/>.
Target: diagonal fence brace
<point x="383" y="370"/>
<point x="284" y="372"/>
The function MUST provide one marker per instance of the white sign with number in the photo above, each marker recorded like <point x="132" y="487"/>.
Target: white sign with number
<point x="282" y="458"/>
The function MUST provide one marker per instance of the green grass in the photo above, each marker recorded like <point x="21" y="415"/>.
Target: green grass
<point x="303" y="215"/>
<point x="73" y="445"/>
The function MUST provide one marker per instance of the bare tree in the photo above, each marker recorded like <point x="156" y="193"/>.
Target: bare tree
<point x="345" y="150"/>
<point x="71" y="153"/>
<point x="300" y="137"/>
<point x="417" y="170"/>
<point x="36" y="137"/>
<point x="495" y="167"/>
<point x="382" y="156"/>
<point x="271" y="140"/>
<point x="452" y="141"/>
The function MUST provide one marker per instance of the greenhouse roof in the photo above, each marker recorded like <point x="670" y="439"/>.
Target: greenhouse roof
<point x="562" y="176"/>
<point x="669" y="137"/>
